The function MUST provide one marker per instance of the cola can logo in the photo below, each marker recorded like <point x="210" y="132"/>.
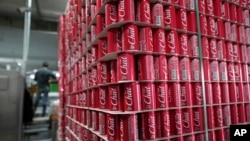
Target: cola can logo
<point x="198" y="95"/>
<point x="104" y="47"/>
<point x="84" y="99"/>
<point x="166" y="120"/>
<point x="171" y="41"/>
<point x="151" y="39"/>
<point x="186" y="120"/>
<point x="111" y="126"/>
<point x="162" y="39"/>
<point x="131" y="37"/>
<point x="168" y="17"/>
<point x="204" y="22"/>
<point x="147" y="96"/>
<point x="104" y="72"/>
<point x="237" y="72"/>
<point x="184" y="18"/>
<point x="219" y="117"/>
<point x="114" y="97"/>
<point x="102" y="97"/>
<point x="178" y="125"/>
<point x="146" y="12"/>
<point x="151" y="125"/>
<point x="124" y="67"/>
<point x="119" y="41"/>
<point x="85" y="135"/>
<point x="210" y="5"/>
<point x="122" y="129"/>
<point x="121" y="10"/>
<point x="212" y="26"/>
<point x="183" y="95"/>
<point x="184" y="43"/>
<point x="231" y="71"/>
<point x="213" y="48"/>
<point x="161" y="95"/>
<point x="128" y="98"/>
<point x="197" y="119"/>
<point x="164" y="67"/>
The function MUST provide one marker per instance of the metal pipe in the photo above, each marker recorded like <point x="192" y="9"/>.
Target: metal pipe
<point x="26" y="39"/>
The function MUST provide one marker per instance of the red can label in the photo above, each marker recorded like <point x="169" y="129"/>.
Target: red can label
<point x="172" y="42"/>
<point x="239" y="92"/>
<point x="130" y="37"/>
<point x="112" y="127"/>
<point x="195" y="69"/>
<point x="145" y="13"/>
<point x="209" y="7"/>
<point x="148" y="126"/>
<point x="197" y="94"/>
<point x="113" y="71"/>
<point x="94" y="53"/>
<point x="210" y="116"/>
<point x="205" y="47"/>
<point x="244" y="72"/>
<point x="233" y="92"/>
<point x="104" y="73"/>
<point x="214" y="70"/>
<point x="128" y="128"/>
<point x="204" y="26"/>
<point x="103" y="93"/>
<point x="177" y="122"/>
<point x="132" y="97"/>
<point x="95" y="120"/>
<point x="192" y="25"/>
<point x="159" y="41"/>
<point x="220" y="28"/>
<point x="242" y="37"/>
<point x="233" y="12"/>
<point x="157" y="14"/>
<point x="243" y="53"/>
<point x="193" y="43"/>
<point x="238" y="72"/>
<point x="145" y="67"/>
<point x="147" y="95"/>
<point x="218" y="116"/>
<point x="213" y="48"/>
<point x="187" y="120"/>
<point x="125" y="66"/>
<point x="185" y="69"/>
<point x="230" y="71"/>
<point x="198" y="119"/>
<point x="161" y="90"/>
<point x="209" y="93"/>
<point x="182" y="16"/>
<point x="111" y="13"/>
<point x="114" y="40"/>
<point x="174" y="95"/>
<point x="102" y="123"/>
<point x="226" y="115"/>
<point x="234" y="114"/>
<point x="146" y="39"/>
<point x="114" y="98"/>
<point x="221" y="46"/>
<point x="184" y="48"/>
<point x="247" y="107"/>
<point x="162" y="124"/>
<point x="216" y="93"/>
<point x="202" y="6"/>
<point x="173" y="66"/>
<point x="124" y="10"/>
<point x="102" y="47"/>
<point x="212" y="27"/>
<point x="246" y="17"/>
<point x="225" y="93"/>
<point x="170" y="17"/>
<point x="160" y="67"/>
<point x="206" y="65"/>
<point x="247" y="92"/>
<point x="186" y="93"/>
<point x="227" y="30"/>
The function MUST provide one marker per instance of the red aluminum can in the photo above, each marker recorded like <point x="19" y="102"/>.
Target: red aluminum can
<point x="84" y="117"/>
<point x="103" y="72"/>
<point x="209" y="93"/>
<point x="213" y="48"/>
<point x="144" y="11"/>
<point x="186" y="94"/>
<point x="128" y="127"/>
<point x="205" y="47"/>
<point x="226" y="115"/>
<point x="202" y="6"/>
<point x="176" y="122"/>
<point x="212" y="27"/>
<point x="102" y="47"/>
<point x="248" y="67"/>
<point x="174" y="98"/>
<point x="103" y="93"/>
<point x="112" y="127"/>
<point x="243" y="53"/>
<point x="181" y="3"/>
<point x="221" y="46"/>
<point x="193" y="43"/>
<point x="192" y="25"/>
<point x="148" y="96"/>
<point x="234" y="32"/>
<point x="170" y="17"/>
<point x="214" y="70"/>
<point x="198" y="119"/>
<point x="220" y="135"/>
<point x="126" y="10"/>
<point x="209" y="7"/>
<point x="200" y="137"/>
<point x="130" y="37"/>
<point x="242" y="113"/>
<point x="89" y="113"/>
<point x="102" y="123"/>
<point x="173" y="67"/>
<point x="84" y="99"/>
<point x="95" y="120"/>
<point x="114" y="40"/>
<point x="132" y="97"/>
<point x="220" y="28"/>
<point x="93" y="32"/>
<point x="197" y="94"/>
<point x="230" y="71"/>
<point x="114" y="98"/>
<point x="146" y="39"/>
<point x="172" y="42"/>
<point x="218" y="116"/>
<point x="224" y="93"/>
<point x="182" y="16"/>
<point x="227" y="134"/>
<point x="217" y="11"/>
<point x="185" y="69"/>
<point x="161" y="67"/>
<point x="207" y="73"/>
<point x="95" y="98"/>
<point x="248" y="35"/>
<point x="94" y="52"/>
<point x="161" y="90"/>
<point x="232" y="92"/>
<point x="233" y="12"/>
<point x="247" y="108"/>
<point x="211" y="117"/>
<point x="111" y="15"/>
<point x="246" y="17"/>
<point x="159" y="41"/>
<point x="157" y="14"/>
<point x="246" y="92"/>
<point x="242" y="37"/>
<point x="238" y="72"/>
<point x="145" y="67"/>
<point x="216" y="93"/>
<point x="195" y="69"/>
<point x="162" y="124"/>
<point x="227" y="26"/>
<point x="148" y="127"/>
<point x="187" y="120"/>
<point x="125" y="67"/>
<point x="113" y="71"/>
<point x="184" y="48"/>
<point x="240" y="92"/>
<point x="234" y="114"/>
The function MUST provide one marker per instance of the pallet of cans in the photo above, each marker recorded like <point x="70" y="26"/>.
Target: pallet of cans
<point x="154" y="69"/>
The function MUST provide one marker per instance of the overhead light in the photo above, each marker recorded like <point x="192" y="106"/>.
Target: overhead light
<point x="19" y="64"/>
<point x="32" y="76"/>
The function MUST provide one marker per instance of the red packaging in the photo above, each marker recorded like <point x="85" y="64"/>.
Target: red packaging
<point x="174" y="97"/>
<point x="238" y="72"/>
<point x="230" y="71"/>
<point x="247" y="107"/>
<point x="187" y="120"/>
<point x="220" y="135"/>
<point x="176" y="122"/>
<point x="103" y="72"/>
<point x="170" y="17"/>
<point x="195" y="69"/>
<point x="102" y="123"/>
<point x="217" y="11"/>
<point x="159" y="41"/>
<point x="181" y="3"/>
<point x="132" y="97"/>
<point x="246" y="89"/>
<point x="162" y="124"/>
<point x="212" y="27"/>
<point x="223" y="71"/>
<point x="198" y="119"/>
<point x="112" y="127"/>
<point x="95" y="120"/>
<point x="186" y="94"/>
<point x="248" y="68"/>
<point x="209" y="93"/>
<point x="161" y="90"/>
<point x="130" y="37"/>
<point x="113" y="71"/>
<point x="173" y="67"/>
<point x="197" y="94"/>
<point x="194" y="47"/>
<point x="234" y="114"/>
<point x="160" y="67"/>
<point x="209" y="7"/>
<point x="227" y="134"/>
<point x="214" y="70"/>
<point x="128" y="127"/>
<point x="211" y="117"/>
<point x="145" y="67"/>
<point x="125" y="67"/>
<point x="243" y="53"/>
<point x="184" y="48"/>
<point x="111" y="15"/>
<point x="94" y="53"/>
<point x="93" y="32"/>
<point x="114" y="98"/>
<point x="221" y="46"/>
<point x="200" y="137"/>
<point x="234" y="32"/>
<point x="157" y="14"/>
<point x="220" y="28"/>
<point x="146" y="39"/>
<point x="205" y="47"/>
<point x="202" y="6"/>
<point x="224" y="93"/>
<point x="126" y="10"/>
<point x="192" y="25"/>
<point x="100" y="23"/>
<point x="243" y="3"/>
<point x="144" y="11"/>
<point x="102" y="47"/>
<point x="114" y="40"/>
<point x="95" y="97"/>
<point x="182" y="16"/>
<point x="233" y="92"/>
<point x="246" y="17"/>
<point x="218" y="116"/>
<point x="248" y="35"/>
<point x="233" y="12"/>
<point x="103" y="93"/>
<point x="242" y="37"/>
<point x="185" y="69"/>
<point x="242" y="113"/>
<point x="172" y="42"/>
<point x="227" y="26"/>
<point x="240" y="92"/>
<point x="216" y="93"/>
<point x="226" y="115"/>
<point x="148" y="96"/>
<point x="148" y="126"/>
<point x="213" y="48"/>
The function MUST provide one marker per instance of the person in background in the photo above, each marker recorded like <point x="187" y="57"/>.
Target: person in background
<point x="42" y="78"/>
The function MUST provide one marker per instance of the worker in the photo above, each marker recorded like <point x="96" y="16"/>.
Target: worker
<point x="42" y="78"/>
